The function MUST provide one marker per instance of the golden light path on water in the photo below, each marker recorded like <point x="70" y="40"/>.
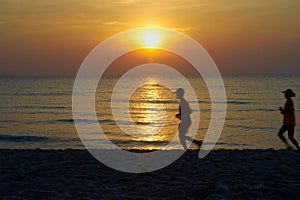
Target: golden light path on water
<point x="152" y="108"/>
<point x="143" y="108"/>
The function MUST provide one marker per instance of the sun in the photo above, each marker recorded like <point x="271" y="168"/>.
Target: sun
<point x="151" y="40"/>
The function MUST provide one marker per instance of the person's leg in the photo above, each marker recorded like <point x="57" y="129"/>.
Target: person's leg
<point x="280" y="134"/>
<point x="183" y="129"/>
<point x="197" y="142"/>
<point x="182" y="140"/>
<point x="182" y="136"/>
<point x="189" y="138"/>
<point x="291" y="130"/>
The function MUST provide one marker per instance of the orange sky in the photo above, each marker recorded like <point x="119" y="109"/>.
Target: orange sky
<point x="40" y="37"/>
<point x="135" y="58"/>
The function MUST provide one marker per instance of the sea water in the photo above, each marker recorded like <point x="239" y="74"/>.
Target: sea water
<point x="36" y="112"/>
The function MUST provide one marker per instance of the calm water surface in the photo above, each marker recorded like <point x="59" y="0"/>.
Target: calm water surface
<point x="36" y="112"/>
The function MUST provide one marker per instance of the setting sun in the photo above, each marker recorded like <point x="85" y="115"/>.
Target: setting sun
<point x="151" y="40"/>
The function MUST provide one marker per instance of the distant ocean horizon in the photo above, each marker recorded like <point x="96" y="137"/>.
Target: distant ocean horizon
<point x="36" y="112"/>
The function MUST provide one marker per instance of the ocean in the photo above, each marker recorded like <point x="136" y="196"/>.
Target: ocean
<point x="36" y="112"/>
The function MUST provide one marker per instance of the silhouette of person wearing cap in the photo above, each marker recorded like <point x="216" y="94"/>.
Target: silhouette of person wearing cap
<point x="185" y="119"/>
<point x="289" y="121"/>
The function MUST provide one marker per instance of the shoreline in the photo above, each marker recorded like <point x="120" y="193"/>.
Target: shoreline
<point x="229" y="174"/>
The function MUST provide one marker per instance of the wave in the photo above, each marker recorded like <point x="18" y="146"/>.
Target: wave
<point x="143" y="123"/>
<point x="253" y="128"/>
<point x="8" y="121"/>
<point x="226" y="144"/>
<point x="108" y="121"/>
<point x="15" y="138"/>
<point x="256" y="110"/>
<point x="140" y="142"/>
<point x="266" y="110"/>
<point x="59" y="121"/>
<point x="65" y="121"/>
<point x="84" y="121"/>
<point x="239" y="102"/>
<point x="233" y="102"/>
<point x="236" y="144"/>
<point x="142" y="111"/>
<point x="44" y="94"/>
<point x="42" y="107"/>
<point x="155" y="101"/>
<point x="35" y="139"/>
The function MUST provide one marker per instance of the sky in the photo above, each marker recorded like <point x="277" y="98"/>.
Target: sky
<point x="42" y="37"/>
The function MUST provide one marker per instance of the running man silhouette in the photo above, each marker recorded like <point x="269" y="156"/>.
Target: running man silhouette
<point x="289" y="121"/>
<point x="185" y="119"/>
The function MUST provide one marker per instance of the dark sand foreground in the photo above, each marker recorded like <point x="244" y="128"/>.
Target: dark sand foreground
<point x="223" y="174"/>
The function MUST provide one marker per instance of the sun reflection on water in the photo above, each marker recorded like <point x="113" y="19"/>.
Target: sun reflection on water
<point x="151" y="108"/>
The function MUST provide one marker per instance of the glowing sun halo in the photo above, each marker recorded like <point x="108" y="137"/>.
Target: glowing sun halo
<point x="151" y="40"/>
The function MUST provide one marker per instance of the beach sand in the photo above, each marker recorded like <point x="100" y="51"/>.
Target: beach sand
<point x="223" y="174"/>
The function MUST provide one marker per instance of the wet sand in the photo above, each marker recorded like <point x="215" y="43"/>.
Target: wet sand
<point x="223" y="174"/>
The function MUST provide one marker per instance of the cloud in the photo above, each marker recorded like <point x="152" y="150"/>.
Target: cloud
<point x="124" y="2"/>
<point x="111" y="23"/>
<point x="182" y="29"/>
<point x="133" y="24"/>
